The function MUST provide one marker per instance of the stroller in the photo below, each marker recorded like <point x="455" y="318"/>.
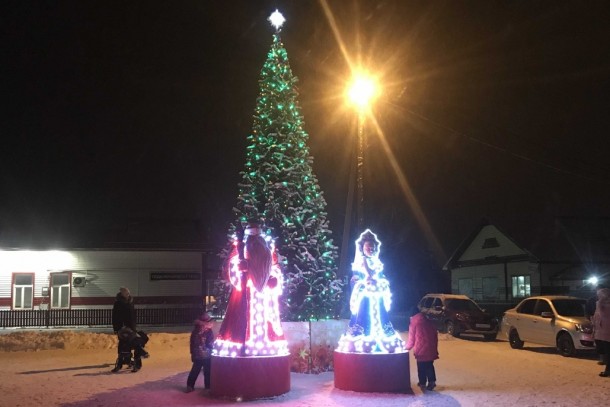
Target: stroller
<point x="130" y="349"/>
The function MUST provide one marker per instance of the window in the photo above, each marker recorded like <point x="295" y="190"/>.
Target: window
<point x="570" y="307"/>
<point x="527" y="307"/>
<point x="426" y="302"/>
<point x="465" y="287"/>
<point x="490" y="243"/>
<point x="542" y="306"/>
<point x="458" y="304"/>
<point x="60" y="290"/>
<point x="23" y="291"/>
<point x="490" y="287"/>
<point x="521" y="286"/>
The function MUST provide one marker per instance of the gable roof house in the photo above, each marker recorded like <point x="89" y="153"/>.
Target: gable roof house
<point x="494" y="269"/>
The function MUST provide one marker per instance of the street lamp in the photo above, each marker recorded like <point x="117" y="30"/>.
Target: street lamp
<point x="360" y="93"/>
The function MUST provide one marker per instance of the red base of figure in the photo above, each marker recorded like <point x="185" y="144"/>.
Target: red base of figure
<point x="250" y="378"/>
<point x="372" y="372"/>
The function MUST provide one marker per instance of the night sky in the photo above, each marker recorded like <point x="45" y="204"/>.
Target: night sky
<point x="122" y="110"/>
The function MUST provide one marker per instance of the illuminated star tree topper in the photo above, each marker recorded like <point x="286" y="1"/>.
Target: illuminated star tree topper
<point x="276" y="19"/>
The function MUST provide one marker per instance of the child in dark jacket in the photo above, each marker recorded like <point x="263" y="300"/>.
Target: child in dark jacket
<point x="423" y="339"/>
<point x="130" y="341"/>
<point x="202" y="342"/>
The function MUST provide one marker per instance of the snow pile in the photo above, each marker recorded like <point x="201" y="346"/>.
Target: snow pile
<point x="73" y="340"/>
<point x="37" y="341"/>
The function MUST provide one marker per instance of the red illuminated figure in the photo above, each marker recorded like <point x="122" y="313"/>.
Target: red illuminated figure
<point x="252" y="323"/>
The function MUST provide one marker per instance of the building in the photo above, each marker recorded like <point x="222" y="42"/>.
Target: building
<point x="90" y="278"/>
<point x="492" y="268"/>
<point x="169" y="273"/>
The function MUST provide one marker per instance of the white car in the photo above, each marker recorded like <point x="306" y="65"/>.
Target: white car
<point x="550" y="320"/>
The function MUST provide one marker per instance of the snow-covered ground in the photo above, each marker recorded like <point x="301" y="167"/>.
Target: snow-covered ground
<point x="69" y="368"/>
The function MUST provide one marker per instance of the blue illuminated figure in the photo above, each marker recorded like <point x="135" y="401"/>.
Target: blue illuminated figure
<point x="370" y="329"/>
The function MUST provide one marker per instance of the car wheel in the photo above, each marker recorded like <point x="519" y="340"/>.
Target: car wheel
<point x="565" y="345"/>
<point x="451" y="329"/>
<point x="514" y="340"/>
<point x="490" y="337"/>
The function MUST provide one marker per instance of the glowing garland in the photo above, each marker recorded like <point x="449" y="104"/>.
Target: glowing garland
<point x="371" y="286"/>
<point x="263" y="313"/>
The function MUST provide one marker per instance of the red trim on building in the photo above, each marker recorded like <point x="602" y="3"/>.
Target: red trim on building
<point x="84" y="301"/>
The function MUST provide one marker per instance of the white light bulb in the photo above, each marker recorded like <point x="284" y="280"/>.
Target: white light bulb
<point x="276" y="19"/>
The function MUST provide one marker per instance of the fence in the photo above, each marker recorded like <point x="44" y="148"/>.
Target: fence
<point x="93" y="317"/>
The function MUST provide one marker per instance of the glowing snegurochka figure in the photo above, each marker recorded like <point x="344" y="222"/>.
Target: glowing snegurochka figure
<point x="251" y="326"/>
<point x="370" y="329"/>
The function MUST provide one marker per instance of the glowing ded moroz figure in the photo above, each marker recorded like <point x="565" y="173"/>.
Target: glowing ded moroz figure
<point x="252" y="326"/>
<point x="370" y="329"/>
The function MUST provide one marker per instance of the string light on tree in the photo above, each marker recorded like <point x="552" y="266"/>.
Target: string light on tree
<point x="279" y="188"/>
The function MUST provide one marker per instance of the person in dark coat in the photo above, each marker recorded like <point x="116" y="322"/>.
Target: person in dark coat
<point x="124" y="315"/>
<point x="123" y="311"/>
<point x="423" y="339"/>
<point x="202" y="342"/>
<point x="130" y="341"/>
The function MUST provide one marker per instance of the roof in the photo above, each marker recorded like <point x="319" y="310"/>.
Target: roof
<point x="456" y="296"/>
<point x="589" y="237"/>
<point x="553" y="297"/>
<point x="129" y="234"/>
<point x="465" y="244"/>
<point x="570" y="240"/>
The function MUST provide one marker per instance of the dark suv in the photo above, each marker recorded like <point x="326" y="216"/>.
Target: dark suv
<point x="457" y="314"/>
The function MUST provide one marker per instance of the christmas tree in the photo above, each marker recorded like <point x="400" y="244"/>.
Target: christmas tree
<point x="279" y="188"/>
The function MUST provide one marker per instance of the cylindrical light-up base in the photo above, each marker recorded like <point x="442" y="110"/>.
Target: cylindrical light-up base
<point x="249" y="378"/>
<point x="372" y="372"/>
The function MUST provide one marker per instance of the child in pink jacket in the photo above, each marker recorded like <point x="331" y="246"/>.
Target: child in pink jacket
<point x="423" y="339"/>
<point x="601" y="325"/>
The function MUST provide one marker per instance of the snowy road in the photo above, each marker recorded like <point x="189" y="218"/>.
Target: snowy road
<point x="471" y="372"/>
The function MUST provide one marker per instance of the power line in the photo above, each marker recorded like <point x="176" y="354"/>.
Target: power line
<point x="502" y="149"/>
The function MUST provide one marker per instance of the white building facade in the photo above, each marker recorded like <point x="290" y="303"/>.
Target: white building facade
<point x="90" y="279"/>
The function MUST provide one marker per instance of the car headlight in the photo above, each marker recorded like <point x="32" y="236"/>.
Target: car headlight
<point x="584" y="328"/>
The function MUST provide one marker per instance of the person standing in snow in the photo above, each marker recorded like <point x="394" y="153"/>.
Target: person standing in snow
<point x="590" y="307"/>
<point x="123" y="311"/>
<point x="202" y="342"/>
<point x="601" y="325"/>
<point x="423" y="339"/>
<point x="124" y="316"/>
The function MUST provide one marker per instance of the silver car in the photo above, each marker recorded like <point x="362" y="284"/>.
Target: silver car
<point x="550" y="320"/>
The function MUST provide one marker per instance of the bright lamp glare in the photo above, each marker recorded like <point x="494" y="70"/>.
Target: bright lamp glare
<point x="592" y="280"/>
<point x="362" y="91"/>
<point x="22" y="260"/>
